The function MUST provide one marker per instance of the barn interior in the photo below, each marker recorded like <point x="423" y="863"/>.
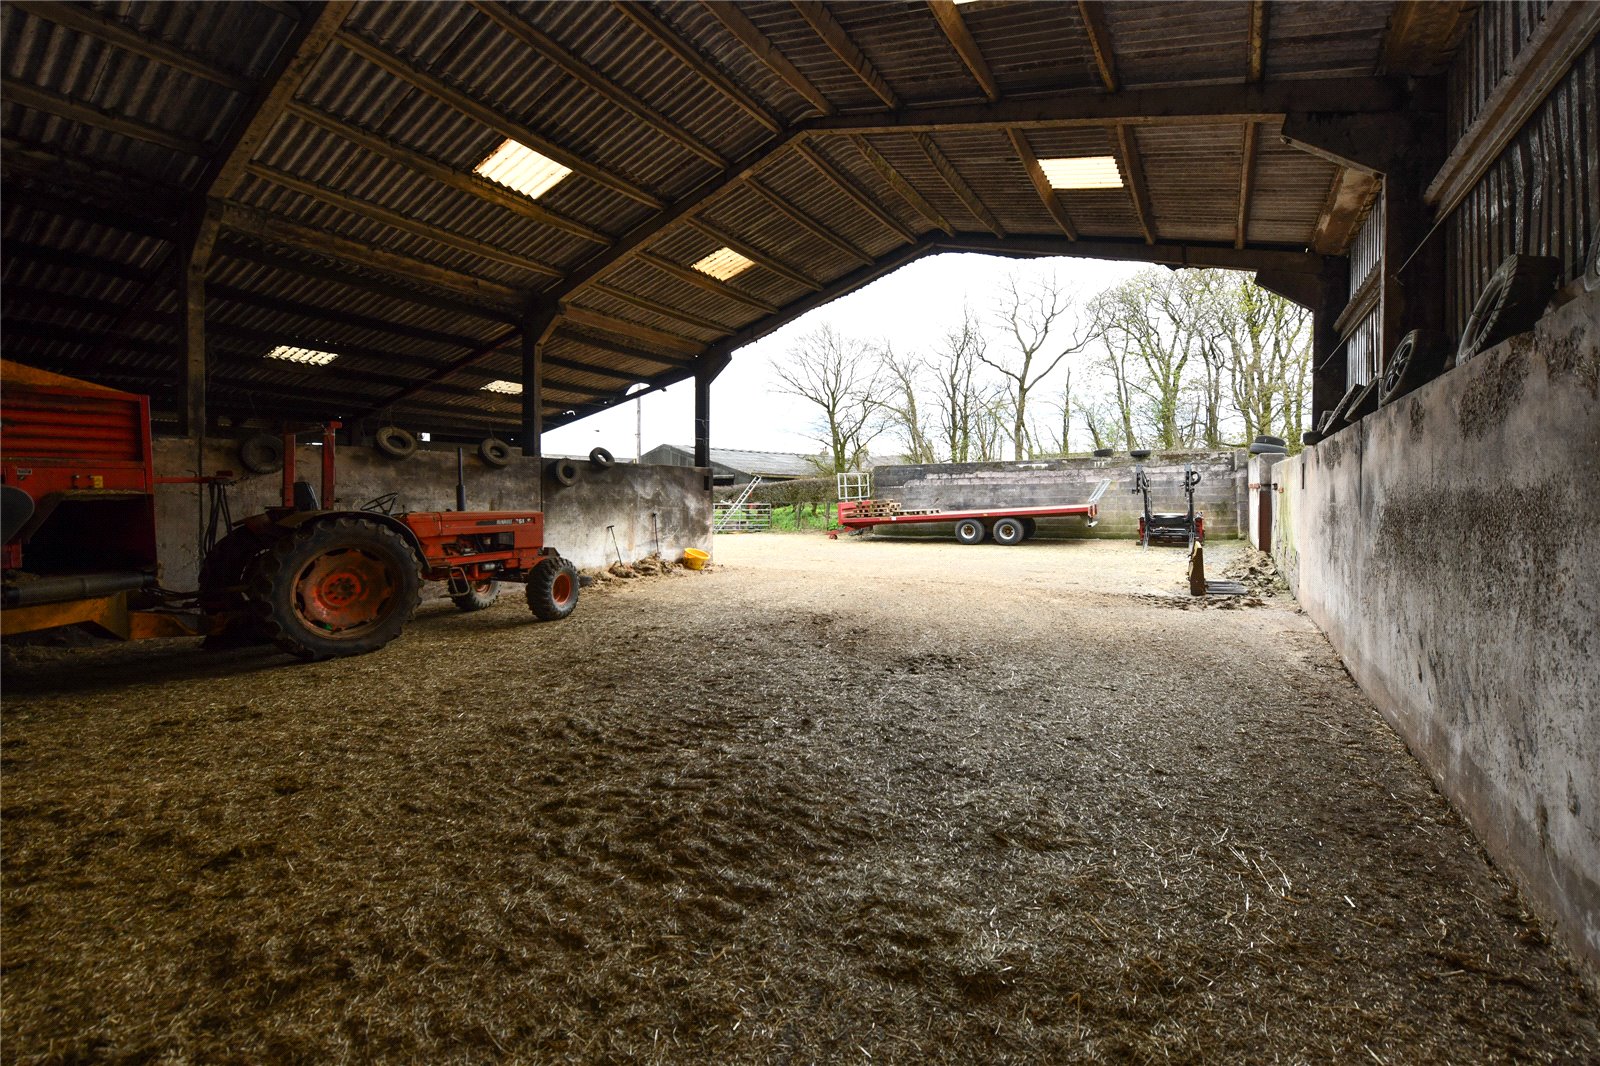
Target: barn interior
<point x="480" y="221"/>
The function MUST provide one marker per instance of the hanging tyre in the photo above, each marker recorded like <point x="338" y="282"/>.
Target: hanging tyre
<point x="565" y="471"/>
<point x="1510" y="304"/>
<point x="970" y="531"/>
<point x="1009" y="531"/>
<point x="1416" y="360"/>
<point x="335" y="588"/>
<point x="472" y="596"/>
<point x="494" y="451"/>
<point x="553" y="589"/>
<point x="599" y="458"/>
<point x="261" y="453"/>
<point x="395" y="442"/>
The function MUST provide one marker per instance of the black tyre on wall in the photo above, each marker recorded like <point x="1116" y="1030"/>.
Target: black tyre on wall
<point x="335" y="588"/>
<point x="494" y="451"/>
<point x="553" y="589"/>
<point x="395" y="442"/>
<point x="1268" y="438"/>
<point x="472" y="596"/>
<point x="970" y="531"/>
<point x="565" y="471"/>
<point x="1415" y="361"/>
<point x="1510" y="304"/>
<point x="261" y="453"/>
<point x="1009" y="531"/>
<point x="600" y="458"/>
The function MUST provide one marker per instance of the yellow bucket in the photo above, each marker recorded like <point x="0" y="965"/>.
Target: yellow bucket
<point x="695" y="559"/>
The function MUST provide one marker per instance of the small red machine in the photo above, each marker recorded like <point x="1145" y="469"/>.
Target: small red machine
<point x="77" y="484"/>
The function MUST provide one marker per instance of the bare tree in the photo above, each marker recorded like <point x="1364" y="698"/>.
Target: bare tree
<point x="903" y="378"/>
<point x="1150" y="319"/>
<point x="959" y="401"/>
<point x="1030" y="316"/>
<point x="1269" y="353"/>
<point x="840" y="376"/>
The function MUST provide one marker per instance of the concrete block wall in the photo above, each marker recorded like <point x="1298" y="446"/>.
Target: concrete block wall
<point x="645" y="505"/>
<point x="1449" y="547"/>
<point x="1220" y="495"/>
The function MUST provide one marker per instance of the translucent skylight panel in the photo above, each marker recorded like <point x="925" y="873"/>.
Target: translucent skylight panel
<point x="1082" y="172"/>
<point x="723" y="264"/>
<point x="505" y="388"/>
<point x="521" y="169"/>
<point x="307" y="356"/>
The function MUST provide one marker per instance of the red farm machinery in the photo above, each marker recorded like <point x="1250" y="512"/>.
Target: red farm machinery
<point x="77" y="485"/>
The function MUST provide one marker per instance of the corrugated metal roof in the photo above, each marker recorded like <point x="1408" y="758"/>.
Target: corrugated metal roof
<point x="428" y="269"/>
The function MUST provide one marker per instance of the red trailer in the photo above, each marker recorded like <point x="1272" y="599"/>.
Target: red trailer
<point x="1008" y="525"/>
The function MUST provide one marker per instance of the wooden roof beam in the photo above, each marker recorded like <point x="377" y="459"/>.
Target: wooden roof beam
<point x="87" y="114"/>
<point x="705" y="282"/>
<point x="302" y="309"/>
<point x="396" y="220"/>
<point x="838" y="40"/>
<point x="1422" y="35"/>
<point x="634" y="331"/>
<point x="958" y="185"/>
<point x="1094" y="26"/>
<point x="644" y="303"/>
<point x="1349" y="195"/>
<point x="405" y="72"/>
<point x="736" y="23"/>
<point x="852" y="192"/>
<point x="124" y="37"/>
<point x="948" y="15"/>
<point x="601" y="344"/>
<point x="446" y="175"/>
<point x="1256" y="41"/>
<point x="1041" y="184"/>
<point x="663" y="34"/>
<point x="754" y="254"/>
<point x="493" y="344"/>
<point x="807" y="223"/>
<point x="1133" y="172"/>
<point x="900" y="185"/>
<point x="1247" y="173"/>
<point x="496" y="301"/>
<point x="585" y="75"/>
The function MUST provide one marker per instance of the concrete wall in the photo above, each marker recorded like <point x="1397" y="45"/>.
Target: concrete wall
<point x="642" y="503"/>
<point x="1449" y="546"/>
<point x="959" y="486"/>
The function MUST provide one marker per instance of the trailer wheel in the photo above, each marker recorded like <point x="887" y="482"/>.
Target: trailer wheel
<point x="1009" y="531"/>
<point x="1030" y="527"/>
<point x="476" y="595"/>
<point x="553" y="589"/>
<point x="335" y="588"/>
<point x="970" y="531"/>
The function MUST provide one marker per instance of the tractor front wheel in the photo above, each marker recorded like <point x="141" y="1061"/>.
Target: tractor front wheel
<point x="553" y="589"/>
<point x="474" y="595"/>
<point x="335" y="588"/>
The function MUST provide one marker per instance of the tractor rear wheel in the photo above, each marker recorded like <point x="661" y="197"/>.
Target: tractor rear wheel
<point x="476" y="595"/>
<point x="553" y="589"/>
<point x="335" y="588"/>
<point x="224" y="574"/>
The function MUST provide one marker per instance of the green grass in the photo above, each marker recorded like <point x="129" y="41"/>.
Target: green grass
<point x="800" y="517"/>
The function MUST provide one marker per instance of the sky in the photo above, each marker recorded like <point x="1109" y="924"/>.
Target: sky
<point x="912" y="308"/>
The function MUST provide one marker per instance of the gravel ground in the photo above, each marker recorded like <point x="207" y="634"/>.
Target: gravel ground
<point x="852" y="801"/>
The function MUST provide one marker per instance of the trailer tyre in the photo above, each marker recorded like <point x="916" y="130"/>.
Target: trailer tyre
<point x="1009" y="531"/>
<point x="477" y="595"/>
<point x="335" y="588"/>
<point x="1030" y="528"/>
<point x="970" y="531"/>
<point x="553" y="589"/>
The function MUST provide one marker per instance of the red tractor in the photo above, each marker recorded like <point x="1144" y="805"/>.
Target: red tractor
<point x="77" y="485"/>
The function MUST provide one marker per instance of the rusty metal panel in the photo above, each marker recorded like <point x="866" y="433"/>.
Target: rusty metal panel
<point x="1289" y="190"/>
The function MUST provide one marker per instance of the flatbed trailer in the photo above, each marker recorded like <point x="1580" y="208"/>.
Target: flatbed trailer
<point x="1007" y="525"/>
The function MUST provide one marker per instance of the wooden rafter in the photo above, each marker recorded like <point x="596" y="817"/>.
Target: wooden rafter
<point x="601" y="344"/>
<point x="958" y="185"/>
<point x="1349" y="195"/>
<point x="446" y="175"/>
<point x="955" y="30"/>
<point x="299" y="308"/>
<point x="655" y="307"/>
<point x="80" y="111"/>
<point x="499" y="300"/>
<point x="899" y="184"/>
<point x="642" y="17"/>
<point x="705" y="282"/>
<point x="838" y="40"/>
<point x="124" y="37"/>
<point x="1247" y="173"/>
<point x="1094" y="25"/>
<point x="1041" y="184"/>
<point x="1133" y="172"/>
<point x="1257" y="41"/>
<point x="853" y="192"/>
<point x="404" y="71"/>
<point x="636" y="331"/>
<point x="399" y="221"/>
<point x="736" y="23"/>
<point x="256" y="253"/>
<point x="806" y="222"/>
<point x="754" y="254"/>
<point x="585" y="75"/>
<point x="1423" y="34"/>
<point x="445" y="372"/>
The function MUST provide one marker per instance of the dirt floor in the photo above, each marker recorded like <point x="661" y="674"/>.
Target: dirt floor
<point x="853" y="801"/>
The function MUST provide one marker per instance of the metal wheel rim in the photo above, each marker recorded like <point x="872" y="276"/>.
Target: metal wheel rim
<point x="344" y="592"/>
